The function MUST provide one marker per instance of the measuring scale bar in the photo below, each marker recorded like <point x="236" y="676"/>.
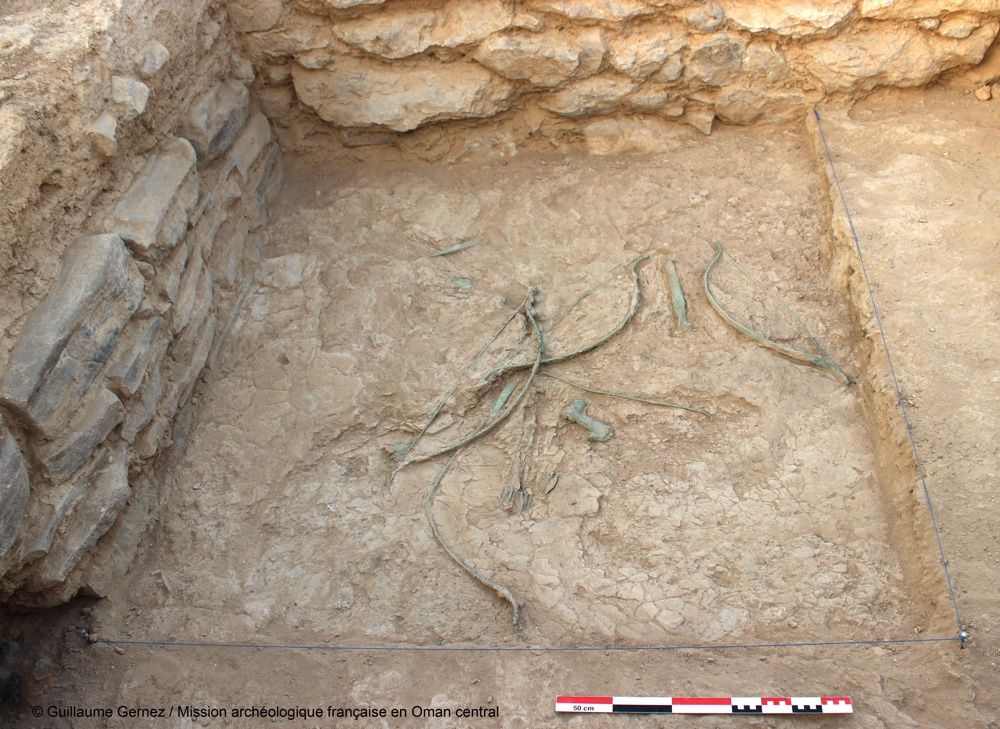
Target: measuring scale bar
<point x="705" y="704"/>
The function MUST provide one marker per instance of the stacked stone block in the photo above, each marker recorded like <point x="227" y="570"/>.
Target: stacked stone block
<point x="107" y="361"/>
<point x="397" y="65"/>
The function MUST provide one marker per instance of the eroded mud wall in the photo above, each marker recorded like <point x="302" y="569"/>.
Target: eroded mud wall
<point x="135" y="171"/>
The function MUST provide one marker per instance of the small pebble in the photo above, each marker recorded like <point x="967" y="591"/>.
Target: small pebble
<point x="984" y="93"/>
<point x="129" y="95"/>
<point x="101" y="134"/>
<point x="151" y="59"/>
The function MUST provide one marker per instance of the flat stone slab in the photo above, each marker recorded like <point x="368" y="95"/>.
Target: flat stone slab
<point x="46" y="512"/>
<point x="133" y="357"/>
<point x="251" y="143"/>
<point x="139" y="216"/>
<point x="14" y="489"/>
<point x="70" y="335"/>
<point x="88" y="428"/>
<point x="106" y="495"/>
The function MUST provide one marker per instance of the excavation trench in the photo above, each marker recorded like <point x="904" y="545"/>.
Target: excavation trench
<point x="786" y="516"/>
<point x="249" y="248"/>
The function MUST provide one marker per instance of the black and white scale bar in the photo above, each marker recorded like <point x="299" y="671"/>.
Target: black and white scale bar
<point x="705" y="704"/>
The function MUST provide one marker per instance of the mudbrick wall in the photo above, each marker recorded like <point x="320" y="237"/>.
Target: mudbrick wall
<point x="373" y="68"/>
<point x="135" y="171"/>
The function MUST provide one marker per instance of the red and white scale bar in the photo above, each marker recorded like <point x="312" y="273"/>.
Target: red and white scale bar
<point x="705" y="704"/>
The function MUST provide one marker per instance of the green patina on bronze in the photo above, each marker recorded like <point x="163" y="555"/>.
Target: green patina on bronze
<point x="677" y="298"/>
<point x="823" y="361"/>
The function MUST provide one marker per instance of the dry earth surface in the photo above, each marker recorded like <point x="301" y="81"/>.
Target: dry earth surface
<point x="766" y="522"/>
<point x="763" y="519"/>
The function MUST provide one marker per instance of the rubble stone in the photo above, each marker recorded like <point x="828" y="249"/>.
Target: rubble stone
<point x="216" y="118"/>
<point x="152" y="58"/>
<point x="544" y="60"/>
<point x="596" y="95"/>
<point x="129" y="95"/>
<point x="361" y="92"/>
<point x="407" y="31"/>
<point x="101" y="134"/>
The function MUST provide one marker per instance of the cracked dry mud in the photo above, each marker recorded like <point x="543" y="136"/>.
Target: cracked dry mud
<point x="763" y="523"/>
<point x="280" y="528"/>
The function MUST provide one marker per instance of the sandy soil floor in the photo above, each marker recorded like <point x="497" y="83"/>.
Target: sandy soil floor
<point x="764" y="523"/>
<point x="761" y="522"/>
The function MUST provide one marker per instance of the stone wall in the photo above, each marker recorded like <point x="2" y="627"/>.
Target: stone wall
<point x="394" y="66"/>
<point x="137" y="161"/>
<point x="135" y="197"/>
